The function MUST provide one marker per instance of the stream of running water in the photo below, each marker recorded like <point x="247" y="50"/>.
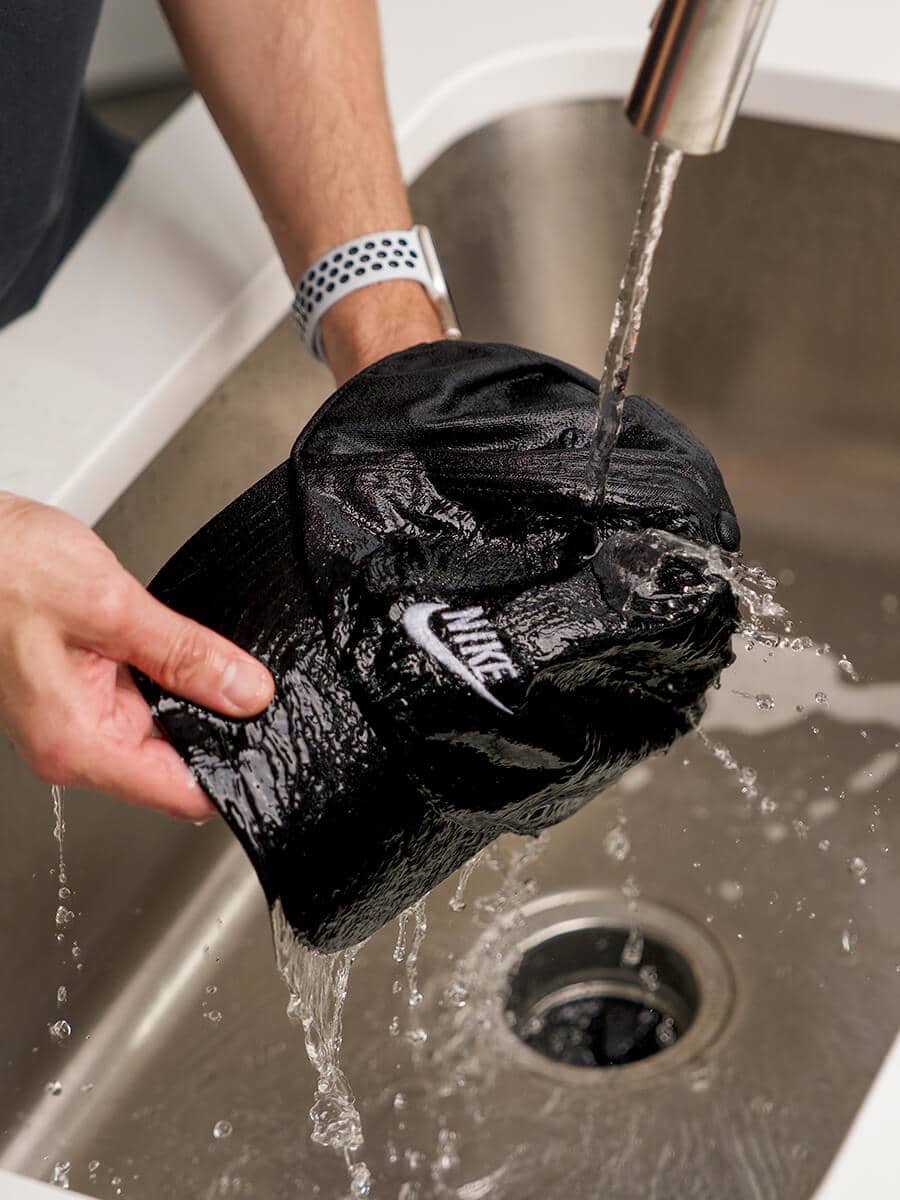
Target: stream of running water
<point x="659" y="183"/>
<point x="318" y="985"/>
<point x="60" y="1030"/>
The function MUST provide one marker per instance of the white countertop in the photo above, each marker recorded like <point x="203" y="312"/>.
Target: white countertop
<point x="177" y="279"/>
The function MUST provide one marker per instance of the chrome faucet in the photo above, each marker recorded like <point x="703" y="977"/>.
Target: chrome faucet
<point x="695" y="71"/>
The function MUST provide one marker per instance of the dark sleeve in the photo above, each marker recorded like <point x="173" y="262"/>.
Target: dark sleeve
<point x="57" y="163"/>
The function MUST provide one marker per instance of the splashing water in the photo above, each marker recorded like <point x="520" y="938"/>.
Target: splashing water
<point x="752" y="587"/>
<point x="659" y="183"/>
<point x="514" y="889"/>
<point x="416" y="1034"/>
<point x="60" y="1176"/>
<point x="763" y="622"/>
<point x="318" y="985"/>
<point x="458" y="900"/>
<point x="478" y="977"/>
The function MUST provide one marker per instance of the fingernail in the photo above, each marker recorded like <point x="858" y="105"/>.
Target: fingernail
<point x="245" y="684"/>
<point x="728" y="531"/>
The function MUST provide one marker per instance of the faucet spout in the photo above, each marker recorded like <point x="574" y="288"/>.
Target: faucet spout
<point x="695" y="71"/>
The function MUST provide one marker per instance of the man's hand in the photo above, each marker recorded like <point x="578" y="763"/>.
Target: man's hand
<point x="71" y="618"/>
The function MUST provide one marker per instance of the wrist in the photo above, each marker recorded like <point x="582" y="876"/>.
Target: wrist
<point x="376" y="321"/>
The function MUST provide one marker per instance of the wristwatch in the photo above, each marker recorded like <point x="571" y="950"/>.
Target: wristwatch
<point x="372" y="258"/>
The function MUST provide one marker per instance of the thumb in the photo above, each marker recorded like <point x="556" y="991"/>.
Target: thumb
<point x="190" y="660"/>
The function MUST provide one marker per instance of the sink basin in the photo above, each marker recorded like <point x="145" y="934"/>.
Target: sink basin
<point x="771" y="331"/>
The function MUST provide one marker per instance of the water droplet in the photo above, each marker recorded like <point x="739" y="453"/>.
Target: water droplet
<point x="775" y="832"/>
<point x="360" y="1181"/>
<point x="822" y="808"/>
<point x="60" y="1031"/>
<point x="848" y="668"/>
<point x="222" y="1129"/>
<point x="616" y="844"/>
<point x="767" y="806"/>
<point x="76" y="950"/>
<point x="211" y="989"/>
<point x="633" y="950"/>
<point x="731" y="890"/>
<point x="400" y="1101"/>
<point x="417" y="1036"/>
<point x="54" y="1088"/>
<point x="666" y="1033"/>
<point x="447" y="1153"/>
<point x="858" y="867"/>
<point x="764" y="701"/>
<point x="62" y="995"/>
<point x="394" y="1027"/>
<point x="64" y="916"/>
<point x="456" y="994"/>
<point x="821" y="697"/>
<point x="650" y="977"/>
<point x="747" y="780"/>
<point x="60" y="1176"/>
<point x="849" y="938"/>
<point x="93" y="1165"/>
<point x="213" y="1016"/>
<point x="700" y="1079"/>
<point x="825" y="845"/>
<point x="64" y="893"/>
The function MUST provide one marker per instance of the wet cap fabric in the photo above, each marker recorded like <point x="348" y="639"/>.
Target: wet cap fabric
<point x="462" y="646"/>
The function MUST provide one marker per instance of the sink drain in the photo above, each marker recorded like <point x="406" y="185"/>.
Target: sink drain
<point x="591" y="985"/>
<point x="601" y="996"/>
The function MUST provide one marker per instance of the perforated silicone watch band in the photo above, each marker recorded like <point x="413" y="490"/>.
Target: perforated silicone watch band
<point x="372" y="258"/>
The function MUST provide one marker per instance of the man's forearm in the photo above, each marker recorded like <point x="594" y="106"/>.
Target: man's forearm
<point x="296" y="88"/>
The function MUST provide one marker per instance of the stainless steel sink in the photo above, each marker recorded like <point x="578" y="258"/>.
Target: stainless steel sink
<point x="772" y="331"/>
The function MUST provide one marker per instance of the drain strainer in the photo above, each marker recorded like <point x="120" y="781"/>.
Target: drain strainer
<point x="591" y="984"/>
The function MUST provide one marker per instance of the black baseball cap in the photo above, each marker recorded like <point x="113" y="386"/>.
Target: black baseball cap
<point x="462" y="644"/>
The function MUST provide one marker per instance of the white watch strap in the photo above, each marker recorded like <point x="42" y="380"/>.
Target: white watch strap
<point x="372" y="258"/>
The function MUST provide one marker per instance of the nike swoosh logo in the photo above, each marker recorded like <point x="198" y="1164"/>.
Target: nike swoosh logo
<point x="416" y="622"/>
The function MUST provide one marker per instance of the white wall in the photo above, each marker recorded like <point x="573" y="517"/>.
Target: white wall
<point x="133" y="47"/>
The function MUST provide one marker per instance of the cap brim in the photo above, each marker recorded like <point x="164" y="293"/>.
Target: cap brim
<point x="333" y="828"/>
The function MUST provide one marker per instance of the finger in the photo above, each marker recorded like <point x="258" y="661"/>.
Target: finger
<point x="151" y="775"/>
<point x="52" y="722"/>
<point x="186" y="658"/>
